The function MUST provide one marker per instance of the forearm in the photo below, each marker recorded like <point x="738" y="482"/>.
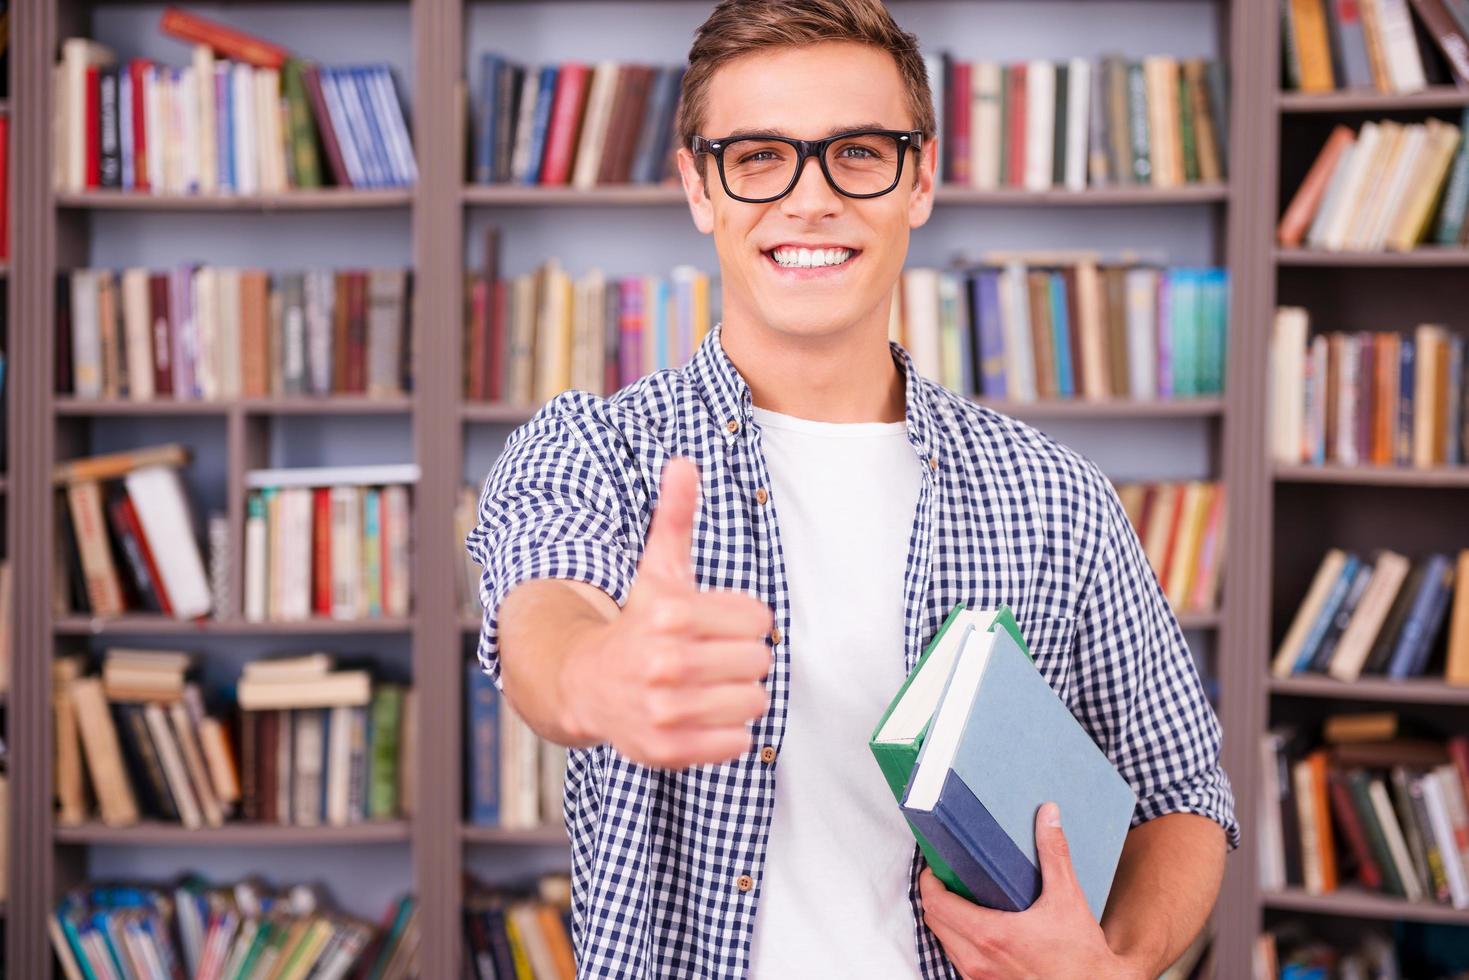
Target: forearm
<point x="544" y="625"/>
<point x="1166" y="883"/>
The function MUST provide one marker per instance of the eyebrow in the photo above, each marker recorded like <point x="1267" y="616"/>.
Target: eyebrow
<point x="777" y="131"/>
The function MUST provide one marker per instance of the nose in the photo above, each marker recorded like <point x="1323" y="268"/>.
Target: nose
<point x="813" y="196"/>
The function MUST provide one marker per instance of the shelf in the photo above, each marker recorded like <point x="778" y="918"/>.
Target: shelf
<point x="326" y="199"/>
<point x="1356" y="903"/>
<point x="142" y="623"/>
<point x="1414" y="690"/>
<point x="1209" y="620"/>
<point x="1428" y="257"/>
<point x="1436" y="97"/>
<point x="641" y="195"/>
<point x="326" y="405"/>
<point x="1378" y="476"/>
<point x="532" y="837"/>
<point x="149" y="833"/>
<point x="496" y="412"/>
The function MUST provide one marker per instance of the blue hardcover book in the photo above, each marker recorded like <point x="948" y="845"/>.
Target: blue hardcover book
<point x="482" y="721"/>
<point x="1214" y="323"/>
<point x="1407" y="353"/>
<point x="542" y="119"/>
<point x="1334" y="600"/>
<point x="224" y="125"/>
<point x="1061" y="336"/>
<point x="657" y="318"/>
<point x="984" y="304"/>
<point x="376" y="140"/>
<point x="1454" y="446"/>
<point x="657" y="132"/>
<point x="363" y="135"/>
<point x="1424" y="617"/>
<point x="1164" y="329"/>
<point x="352" y="133"/>
<point x="1184" y="321"/>
<point x="1000" y="744"/>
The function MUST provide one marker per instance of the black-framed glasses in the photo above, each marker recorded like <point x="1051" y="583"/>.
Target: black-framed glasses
<point x="758" y="169"/>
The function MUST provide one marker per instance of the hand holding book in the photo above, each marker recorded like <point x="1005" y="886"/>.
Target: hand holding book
<point x="673" y="679"/>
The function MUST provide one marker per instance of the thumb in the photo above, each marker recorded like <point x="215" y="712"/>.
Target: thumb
<point x="1058" y="877"/>
<point x="668" y="552"/>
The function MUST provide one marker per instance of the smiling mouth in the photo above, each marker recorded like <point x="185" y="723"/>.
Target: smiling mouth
<point x="811" y="259"/>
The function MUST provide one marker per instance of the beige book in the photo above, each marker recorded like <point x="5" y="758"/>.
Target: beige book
<point x="174" y="770"/>
<point x="1287" y="384"/>
<point x="398" y="595"/>
<point x="110" y="466"/>
<point x="553" y="333"/>
<point x="77" y="54"/>
<point x="1290" y="647"/>
<point x="1096" y="381"/>
<point x="114" y="793"/>
<point x="344" y="687"/>
<point x="985" y="113"/>
<point x="598" y="116"/>
<point x="108" y="326"/>
<point x="346" y="551"/>
<point x="71" y="789"/>
<point x="228" y="347"/>
<point x="1400" y="47"/>
<point x="138" y="329"/>
<point x="1397" y="846"/>
<point x="1404" y="169"/>
<point x="1347" y="201"/>
<point x="1160" y="522"/>
<point x="207" y="121"/>
<point x="1371" y="192"/>
<point x="193" y="756"/>
<point x="1131" y="497"/>
<point x="1197" y="497"/>
<point x="537" y="950"/>
<point x="1040" y="124"/>
<point x="206" y="329"/>
<point x="339" y="765"/>
<point x="1388" y="575"/>
<point x="1457" y="669"/>
<point x="305" y="666"/>
<point x="1160" y="75"/>
<point x="104" y="590"/>
<point x="214" y="740"/>
<point x="1431" y="341"/>
<point x="1424" y="187"/>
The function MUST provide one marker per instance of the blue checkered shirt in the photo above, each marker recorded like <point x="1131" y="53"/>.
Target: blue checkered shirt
<point x="1005" y="515"/>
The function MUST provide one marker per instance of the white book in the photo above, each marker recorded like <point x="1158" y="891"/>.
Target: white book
<point x="307" y="773"/>
<point x="1346" y="203"/>
<point x="986" y="141"/>
<point x="1397" y="845"/>
<point x="1015" y="319"/>
<point x="1458" y="809"/>
<point x="1373" y="189"/>
<point x="342" y="687"/>
<point x="280" y="669"/>
<point x="346" y="545"/>
<point x="247" y="169"/>
<point x="1346" y="399"/>
<point x="1399" y="46"/>
<point x="1272" y="833"/>
<point x="157" y="494"/>
<point x="398" y="595"/>
<point x="1142" y="318"/>
<point x="295" y="548"/>
<point x="593" y="135"/>
<point x="77" y="54"/>
<point x="285" y="758"/>
<point x="153" y="132"/>
<point x="206" y="326"/>
<point x="1078" y="118"/>
<point x="337" y="110"/>
<point x="1398" y="185"/>
<point x="320" y="300"/>
<point x="267" y="128"/>
<point x="227" y="365"/>
<point x="256" y="563"/>
<point x="1040" y="124"/>
<point x="126" y="142"/>
<point x="221" y="558"/>
<point x="173" y="766"/>
<point x="188" y="115"/>
<point x="921" y="320"/>
<point x="333" y="476"/>
<point x="86" y="335"/>
<point x="339" y="765"/>
<point x="1287" y="375"/>
<point x="204" y="109"/>
<point x="193" y="756"/>
<point x="138" y="329"/>
<point x="1436" y="800"/>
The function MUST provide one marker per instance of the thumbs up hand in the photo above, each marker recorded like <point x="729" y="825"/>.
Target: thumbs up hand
<point x="675" y="678"/>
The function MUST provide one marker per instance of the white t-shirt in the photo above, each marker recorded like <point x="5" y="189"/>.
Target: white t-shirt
<point x="834" y="899"/>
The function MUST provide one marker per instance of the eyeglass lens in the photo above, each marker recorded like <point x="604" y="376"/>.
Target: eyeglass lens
<point x="861" y="164"/>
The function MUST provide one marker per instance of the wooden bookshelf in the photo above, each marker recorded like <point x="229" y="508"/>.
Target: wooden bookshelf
<point x="641" y="195"/>
<point x="325" y="405"/>
<point x="326" y="199"/>
<point x="502" y="837"/>
<point x="1422" y="257"/>
<point x="153" y="833"/>
<point x="1414" y="690"/>
<point x="155" y="625"/>
<point x="1356" y="904"/>
<point x="1378" y="476"/>
<point x="1433" y="97"/>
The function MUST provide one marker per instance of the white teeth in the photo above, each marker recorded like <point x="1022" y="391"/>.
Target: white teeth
<point x="806" y="258"/>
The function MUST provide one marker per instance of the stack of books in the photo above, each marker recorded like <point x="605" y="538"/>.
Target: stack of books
<point x="206" y="332"/>
<point x="324" y="747"/>
<point x="1390" y="185"/>
<point x="572" y="123"/>
<point x="533" y="336"/>
<point x="1039" y="124"/>
<point x="126" y="536"/>
<point x="520" y="932"/>
<point x="329" y="541"/>
<point x="149" y="746"/>
<point x="1372" y="44"/>
<point x="1373" y="804"/>
<point x="1029" y="328"/>
<point x="243" y="930"/>
<point x="1365" y="398"/>
<point x="1182" y="530"/>
<point x="515" y="777"/>
<point x="244" y="117"/>
<point x="1381" y="615"/>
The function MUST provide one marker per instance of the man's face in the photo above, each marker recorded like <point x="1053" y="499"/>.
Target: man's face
<point x="809" y="92"/>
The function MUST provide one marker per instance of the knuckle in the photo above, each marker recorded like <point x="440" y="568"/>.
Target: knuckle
<point x="661" y="709"/>
<point x="665" y="665"/>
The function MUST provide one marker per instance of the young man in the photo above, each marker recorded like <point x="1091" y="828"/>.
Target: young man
<point x="710" y="584"/>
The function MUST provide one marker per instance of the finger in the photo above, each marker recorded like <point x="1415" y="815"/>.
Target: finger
<point x="1058" y="877"/>
<point x="954" y="911"/>
<point x="681" y="748"/>
<point x="668" y="552"/>
<point x="717" y="662"/>
<point x="726" y="614"/>
<point x="714" y="706"/>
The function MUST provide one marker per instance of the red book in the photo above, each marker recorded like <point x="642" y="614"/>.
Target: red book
<point x="478" y="340"/>
<point x="489" y="359"/>
<point x="1459" y="752"/>
<point x="312" y="78"/>
<point x="499" y="310"/>
<point x="1016" y="118"/>
<point x="162" y="334"/>
<point x="127" y="515"/>
<point x="566" y="112"/>
<point x="1174" y="520"/>
<point x="4" y="188"/>
<point x="226" y="41"/>
<point x="1368" y="873"/>
<point x="93" y="133"/>
<point x="321" y="551"/>
<point x="137" y="68"/>
<point x="958" y="98"/>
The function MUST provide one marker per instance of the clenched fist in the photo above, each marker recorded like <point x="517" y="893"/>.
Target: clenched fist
<point x="675" y="678"/>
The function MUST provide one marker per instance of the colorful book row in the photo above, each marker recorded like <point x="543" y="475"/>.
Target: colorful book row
<point x="1372" y="44"/>
<point x="515" y="777"/>
<point x="1182" y="530"/>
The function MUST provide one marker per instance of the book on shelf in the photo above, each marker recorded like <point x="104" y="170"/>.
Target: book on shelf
<point x="265" y="123"/>
<point x="7" y="628"/>
<point x="1365" y="398"/>
<point x="1066" y="326"/>
<point x="125" y="537"/>
<point x="535" y="335"/>
<point x="298" y="743"/>
<point x="1381" y="615"/>
<point x="193" y="928"/>
<point x="1387" y="814"/>
<point x="514" y="777"/>
<point x="1182" y="529"/>
<point x="4" y="186"/>
<point x="1374" y="44"/>
<point x="198" y="332"/>
<point x="1036" y="125"/>
<point x="1292" y="950"/>
<point x="328" y="542"/>
<point x="1386" y="186"/>
<point x="573" y="124"/>
<point x="520" y="930"/>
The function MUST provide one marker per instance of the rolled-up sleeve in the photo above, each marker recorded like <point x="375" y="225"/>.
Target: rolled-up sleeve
<point x="548" y="510"/>
<point x="1141" y="695"/>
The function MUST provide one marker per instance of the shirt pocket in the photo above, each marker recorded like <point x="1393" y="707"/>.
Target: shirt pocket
<point x="1052" y="644"/>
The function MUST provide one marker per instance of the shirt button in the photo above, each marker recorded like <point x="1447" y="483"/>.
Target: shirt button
<point x="760" y="495"/>
<point x="933" y="462"/>
<point x="732" y="426"/>
<point x="767" y="754"/>
<point x="744" y="883"/>
<point x="775" y="635"/>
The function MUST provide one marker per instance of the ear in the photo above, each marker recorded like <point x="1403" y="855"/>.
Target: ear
<point x="700" y="206"/>
<point x="920" y="198"/>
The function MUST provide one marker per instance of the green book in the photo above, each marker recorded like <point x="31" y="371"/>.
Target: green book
<point x="898" y="737"/>
<point x="301" y="134"/>
<point x="384" y="717"/>
<point x="1186" y="132"/>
